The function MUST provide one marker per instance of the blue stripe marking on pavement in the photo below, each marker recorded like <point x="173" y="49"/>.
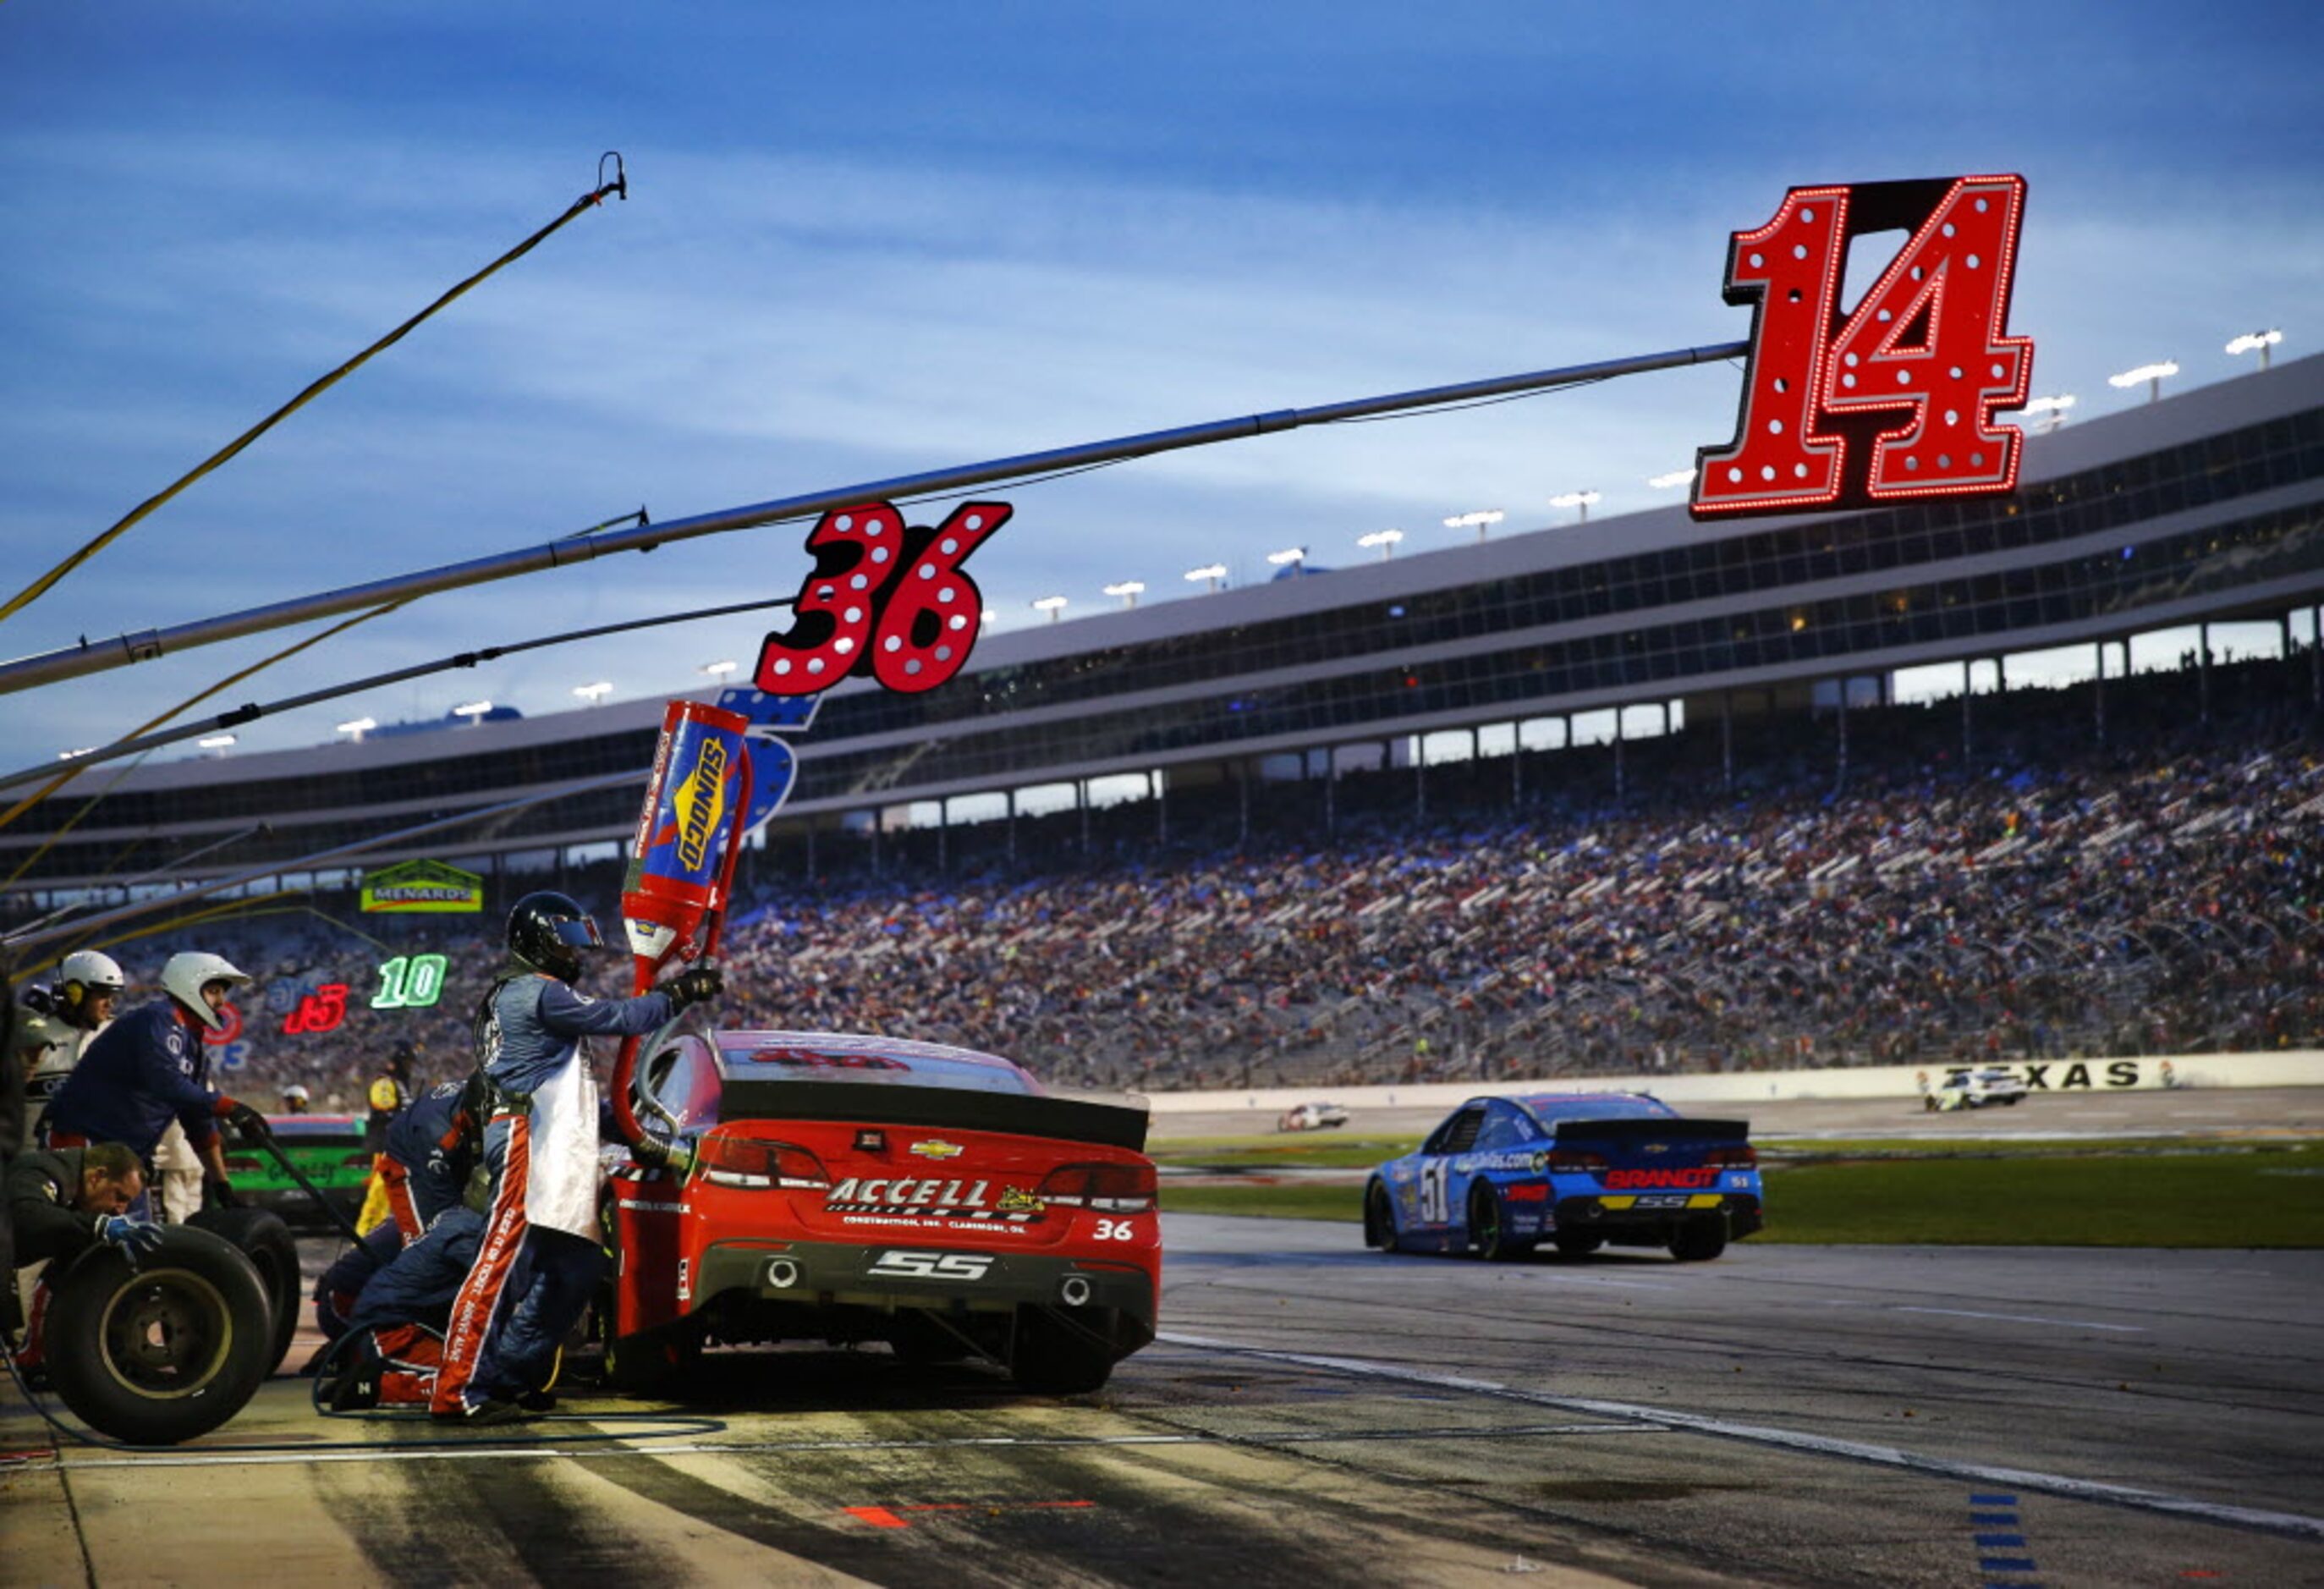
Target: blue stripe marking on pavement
<point x="1993" y="1501"/>
<point x="1998" y="1520"/>
<point x="2004" y="1564"/>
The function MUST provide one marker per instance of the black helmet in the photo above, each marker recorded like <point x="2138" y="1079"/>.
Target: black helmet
<point x="548" y="931"/>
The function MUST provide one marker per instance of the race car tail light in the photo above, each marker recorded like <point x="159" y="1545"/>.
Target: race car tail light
<point x="1109" y="1188"/>
<point x="1741" y="1157"/>
<point x="746" y="1161"/>
<point x="1573" y="1160"/>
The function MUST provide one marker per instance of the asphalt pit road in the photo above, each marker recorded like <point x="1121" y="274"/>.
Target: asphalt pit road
<point x="1621" y="1491"/>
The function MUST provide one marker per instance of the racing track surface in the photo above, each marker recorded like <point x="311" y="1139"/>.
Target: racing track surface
<point x="1320" y="1415"/>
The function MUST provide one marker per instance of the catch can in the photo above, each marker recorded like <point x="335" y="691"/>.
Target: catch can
<point x="680" y="867"/>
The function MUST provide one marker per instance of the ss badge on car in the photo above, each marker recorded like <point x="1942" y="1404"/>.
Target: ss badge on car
<point x="933" y="1266"/>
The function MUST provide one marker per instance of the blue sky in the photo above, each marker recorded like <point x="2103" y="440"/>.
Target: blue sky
<point x="868" y="240"/>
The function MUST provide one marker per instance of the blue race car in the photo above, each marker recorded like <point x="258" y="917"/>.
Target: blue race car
<point x="1580" y="1171"/>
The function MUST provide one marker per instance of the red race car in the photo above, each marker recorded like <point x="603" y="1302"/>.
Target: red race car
<point x="860" y="1188"/>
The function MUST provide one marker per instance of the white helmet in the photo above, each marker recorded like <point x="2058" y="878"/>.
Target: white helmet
<point x="96" y="973"/>
<point x="185" y="976"/>
<point x="295" y="1090"/>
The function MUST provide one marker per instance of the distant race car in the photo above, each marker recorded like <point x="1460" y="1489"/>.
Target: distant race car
<point x="859" y="1188"/>
<point x="1579" y="1171"/>
<point x="1974" y="1089"/>
<point x="328" y="1150"/>
<point x="1312" y="1116"/>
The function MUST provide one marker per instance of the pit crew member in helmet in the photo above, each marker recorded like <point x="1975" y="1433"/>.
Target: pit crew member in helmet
<point x="296" y="1098"/>
<point x="55" y="1023"/>
<point x="150" y="1067"/>
<point x="389" y="1095"/>
<point x="540" y="1258"/>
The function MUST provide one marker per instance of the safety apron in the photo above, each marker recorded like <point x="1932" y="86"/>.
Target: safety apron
<point x="560" y="1191"/>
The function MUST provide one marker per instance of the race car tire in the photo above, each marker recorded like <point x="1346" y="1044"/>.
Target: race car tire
<point x="1380" y="1220"/>
<point x="163" y="1352"/>
<point x="652" y="1363"/>
<point x="263" y="1239"/>
<point x="1576" y="1245"/>
<point x="1700" y="1242"/>
<point x="1056" y="1355"/>
<point x="1489" y="1236"/>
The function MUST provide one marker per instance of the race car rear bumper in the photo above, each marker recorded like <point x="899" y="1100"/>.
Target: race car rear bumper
<point x="889" y="1276"/>
<point x="1645" y="1215"/>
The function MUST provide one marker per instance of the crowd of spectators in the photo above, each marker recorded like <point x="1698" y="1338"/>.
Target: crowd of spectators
<point x="1936" y="892"/>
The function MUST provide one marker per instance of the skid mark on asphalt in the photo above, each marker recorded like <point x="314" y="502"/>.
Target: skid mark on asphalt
<point x="2292" y="1525"/>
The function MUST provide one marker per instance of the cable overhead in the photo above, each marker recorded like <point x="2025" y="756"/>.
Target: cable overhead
<point x="619" y="187"/>
<point x="250" y="713"/>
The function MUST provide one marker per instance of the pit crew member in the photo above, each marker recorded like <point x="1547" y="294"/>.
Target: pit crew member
<point x="55" y="1023"/>
<point x="63" y="1201"/>
<point x="540" y="1258"/>
<point x="150" y="1067"/>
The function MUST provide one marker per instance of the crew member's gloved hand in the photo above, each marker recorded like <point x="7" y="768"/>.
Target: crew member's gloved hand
<point x="131" y="1238"/>
<point x="693" y="985"/>
<point x="246" y="1120"/>
<point x="219" y="1195"/>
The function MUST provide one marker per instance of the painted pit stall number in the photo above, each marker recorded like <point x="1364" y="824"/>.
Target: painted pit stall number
<point x="1897" y="401"/>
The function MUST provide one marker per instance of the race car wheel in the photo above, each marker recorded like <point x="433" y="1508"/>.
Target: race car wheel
<point x="1578" y="1244"/>
<point x="1699" y="1243"/>
<point x="1488" y="1237"/>
<point x="165" y="1350"/>
<point x="1057" y="1354"/>
<point x="263" y="1239"/>
<point x="1380" y="1222"/>
<point x="652" y="1363"/>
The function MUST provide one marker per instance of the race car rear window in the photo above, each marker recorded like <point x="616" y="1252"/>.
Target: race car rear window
<point x="1605" y="1106"/>
<point x="800" y="1062"/>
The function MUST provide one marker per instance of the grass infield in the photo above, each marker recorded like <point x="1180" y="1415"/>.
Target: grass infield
<point x="2164" y="1193"/>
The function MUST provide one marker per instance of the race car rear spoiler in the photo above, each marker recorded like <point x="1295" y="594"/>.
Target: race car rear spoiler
<point x="1070" y="1120"/>
<point x="1631" y="1129"/>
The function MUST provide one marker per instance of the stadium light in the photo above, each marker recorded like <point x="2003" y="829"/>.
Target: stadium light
<point x="1128" y="590"/>
<point x="989" y="616"/>
<point x="594" y="693"/>
<point x="2055" y="407"/>
<point x="359" y="727"/>
<point x="721" y="668"/>
<point x="1051" y="604"/>
<point x="1674" y="478"/>
<point x="473" y="711"/>
<point x="1482" y="520"/>
<point x="216" y="742"/>
<point x="1385" y="540"/>
<point x="2151" y="374"/>
<point x="2257" y="342"/>
<point x="1289" y="557"/>
<point x="1213" y="572"/>
<point x="1576" y="499"/>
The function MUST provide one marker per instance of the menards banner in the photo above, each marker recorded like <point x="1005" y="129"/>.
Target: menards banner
<point x="423" y="886"/>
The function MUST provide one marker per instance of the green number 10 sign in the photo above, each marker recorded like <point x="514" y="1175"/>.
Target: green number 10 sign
<point x="413" y="982"/>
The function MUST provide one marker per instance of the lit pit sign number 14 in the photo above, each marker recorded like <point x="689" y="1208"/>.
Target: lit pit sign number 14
<point x="1896" y="400"/>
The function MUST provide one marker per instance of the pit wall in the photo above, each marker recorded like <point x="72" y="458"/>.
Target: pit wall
<point x="2296" y="1068"/>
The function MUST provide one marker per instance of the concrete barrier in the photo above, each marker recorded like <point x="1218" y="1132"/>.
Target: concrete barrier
<point x="2296" y="1068"/>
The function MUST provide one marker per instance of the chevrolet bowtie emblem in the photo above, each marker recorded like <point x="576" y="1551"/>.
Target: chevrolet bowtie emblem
<point x="935" y="1148"/>
<point x="1658" y="1147"/>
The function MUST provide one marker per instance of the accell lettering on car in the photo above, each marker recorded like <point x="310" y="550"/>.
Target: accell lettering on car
<point x="1628" y="1180"/>
<point x="931" y="1198"/>
<point x="932" y="1266"/>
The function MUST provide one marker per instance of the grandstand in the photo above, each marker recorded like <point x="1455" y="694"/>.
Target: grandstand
<point x="1365" y="843"/>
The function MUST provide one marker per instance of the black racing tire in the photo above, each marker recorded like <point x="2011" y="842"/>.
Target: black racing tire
<point x="266" y="1241"/>
<point x="1489" y="1231"/>
<point x="1578" y="1243"/>
<point x="1059" y="1353"/>
<point x="1379" y="1219"/>
<point x="164" y="1352"/>
<point x="1699" y="1241"/>
<point x="653" y="1362"/>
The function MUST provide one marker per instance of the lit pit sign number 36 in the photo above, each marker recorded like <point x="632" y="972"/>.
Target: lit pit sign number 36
<point x="1896" y="401"/>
